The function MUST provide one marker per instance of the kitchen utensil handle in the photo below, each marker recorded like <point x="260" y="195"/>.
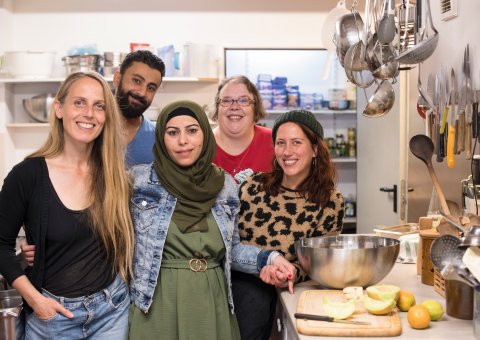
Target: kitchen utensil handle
<point x="450" y="145"/>
<point x="468" y="141"/>
<point x="438" y="147"/>
<point x="438" y="189"/>
<point x="313" y="317"/>
<point x="476" y="121"/>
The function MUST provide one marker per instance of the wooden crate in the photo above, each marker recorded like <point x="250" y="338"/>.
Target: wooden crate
<point x="438" y="282"/>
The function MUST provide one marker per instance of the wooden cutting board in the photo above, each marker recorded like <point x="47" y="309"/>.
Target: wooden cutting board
<point x="311" y="302"/>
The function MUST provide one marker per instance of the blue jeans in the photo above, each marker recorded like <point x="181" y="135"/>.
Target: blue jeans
<point x="103" y="315"/>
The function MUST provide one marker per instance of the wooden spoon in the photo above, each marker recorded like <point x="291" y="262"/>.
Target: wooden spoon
<point x="422" y="147"/>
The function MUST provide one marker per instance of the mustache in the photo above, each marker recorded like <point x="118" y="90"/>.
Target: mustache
<point x="134" y="96"/>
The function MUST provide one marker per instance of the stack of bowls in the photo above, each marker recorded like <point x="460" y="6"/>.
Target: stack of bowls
<point x="112" y="62"/>
<point x="82" y="63"/>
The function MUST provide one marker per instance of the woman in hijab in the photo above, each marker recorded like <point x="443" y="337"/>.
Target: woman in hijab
<point x="185" y="212"/>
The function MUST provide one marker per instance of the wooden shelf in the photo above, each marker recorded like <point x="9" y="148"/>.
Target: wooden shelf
<point x="344" y="160"/>
<point x="27" y="125"/>
<point x="350" y="220"/>
<point x="110" y="79"/>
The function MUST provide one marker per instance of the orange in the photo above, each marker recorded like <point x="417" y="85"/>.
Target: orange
<point x="418" y="317"/>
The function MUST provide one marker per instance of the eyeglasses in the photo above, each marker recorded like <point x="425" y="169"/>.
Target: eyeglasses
<point x="242" y="101"/>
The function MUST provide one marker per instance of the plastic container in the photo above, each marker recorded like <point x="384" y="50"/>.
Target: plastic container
<point x="306" y="101"/>
<point x="293" y="96"/>
<point x="167" y="54"/>
<point x="28" y="64"/>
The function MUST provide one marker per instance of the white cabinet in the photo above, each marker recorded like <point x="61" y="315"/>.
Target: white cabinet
<point x="21" y="135"/>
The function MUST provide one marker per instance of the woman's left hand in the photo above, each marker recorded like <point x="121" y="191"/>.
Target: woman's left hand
<point x="281" y="273"/>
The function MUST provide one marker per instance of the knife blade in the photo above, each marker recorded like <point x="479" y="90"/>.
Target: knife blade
<point x="468" y="108"/>
<point x="462" y="104"/>
<point x="328" y="319"/>
<point x="445" y="101"/>
<point x="451" y="127"/>
<point x="475" y="113"/>
<point x="468" y="83"/>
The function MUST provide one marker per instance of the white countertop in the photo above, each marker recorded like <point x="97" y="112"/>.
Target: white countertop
<point x="404" y="276"/>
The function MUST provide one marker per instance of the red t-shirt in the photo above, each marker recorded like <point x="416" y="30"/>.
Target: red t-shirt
<point x="257" y="157"/>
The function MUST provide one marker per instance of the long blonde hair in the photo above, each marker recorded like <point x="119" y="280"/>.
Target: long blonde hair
<point x="110" y="187"/>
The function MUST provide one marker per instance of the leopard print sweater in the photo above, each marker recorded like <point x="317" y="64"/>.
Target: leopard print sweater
<point x="276" y="222"/>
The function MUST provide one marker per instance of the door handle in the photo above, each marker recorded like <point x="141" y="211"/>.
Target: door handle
<point x="394" y="190"/>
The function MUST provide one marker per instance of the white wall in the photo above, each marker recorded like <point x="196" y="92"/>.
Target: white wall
<point x="112" y="25"/>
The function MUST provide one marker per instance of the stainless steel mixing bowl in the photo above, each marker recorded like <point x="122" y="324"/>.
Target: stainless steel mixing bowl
<point x="347" y="260"/>
<point x="38" y="107"/>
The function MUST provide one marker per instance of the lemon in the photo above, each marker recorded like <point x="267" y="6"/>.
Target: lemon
<point x="383" y="292"/>
<point x="338" y="310"/>
<point x="405" y="301"/>
<point x="378" y="307"/>
<point x="434" y="309"/>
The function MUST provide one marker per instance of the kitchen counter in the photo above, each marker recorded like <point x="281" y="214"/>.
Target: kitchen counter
<point x="404" y="276"/>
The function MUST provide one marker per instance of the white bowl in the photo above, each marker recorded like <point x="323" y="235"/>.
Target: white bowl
<point x="29" y="64"/>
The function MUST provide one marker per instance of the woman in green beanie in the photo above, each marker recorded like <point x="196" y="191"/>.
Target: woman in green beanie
<point x="296" y="200"/>
<point x="185" y="212"/>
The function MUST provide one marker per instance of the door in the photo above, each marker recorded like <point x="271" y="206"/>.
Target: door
<point x="382" y="161"/>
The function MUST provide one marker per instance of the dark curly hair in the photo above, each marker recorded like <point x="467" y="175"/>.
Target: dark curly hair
<point x="321" y="180"/>
<point x="143" y="56"/>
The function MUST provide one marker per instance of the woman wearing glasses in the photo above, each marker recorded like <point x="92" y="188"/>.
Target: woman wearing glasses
<point x="242" y="146"/>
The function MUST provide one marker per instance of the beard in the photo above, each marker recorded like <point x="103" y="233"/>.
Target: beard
<point x="128" y="109"/>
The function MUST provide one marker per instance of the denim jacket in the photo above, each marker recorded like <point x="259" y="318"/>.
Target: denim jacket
<point x="152" y="209"/>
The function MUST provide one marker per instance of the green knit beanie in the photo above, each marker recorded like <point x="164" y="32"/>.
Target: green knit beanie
<point x="298" y="116"/>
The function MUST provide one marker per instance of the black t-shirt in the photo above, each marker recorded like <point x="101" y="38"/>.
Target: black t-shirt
<point x="76" y="263"/>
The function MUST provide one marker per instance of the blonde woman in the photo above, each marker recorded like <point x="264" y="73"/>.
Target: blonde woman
<point x="72" y="196"/>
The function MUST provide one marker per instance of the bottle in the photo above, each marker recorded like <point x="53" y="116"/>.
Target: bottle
<point x="350" y="206"/>
<point x="352" y="150"/>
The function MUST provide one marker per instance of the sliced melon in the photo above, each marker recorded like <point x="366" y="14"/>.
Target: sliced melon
<point x="383" y="292"/>
<point x="378" y="307"/>
<point x="355" y="293"/>
<point x="338" y="310"/>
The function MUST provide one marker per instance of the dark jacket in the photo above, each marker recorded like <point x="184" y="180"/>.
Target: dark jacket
<point x="24" y="200"/>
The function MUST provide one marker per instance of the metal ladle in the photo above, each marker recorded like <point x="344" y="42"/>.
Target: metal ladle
<point x="450" y="273"/>
<point x="381" y="101"/>
<point x="356" y="68"/>
<point x="386" y="26"/>
<point x="464" y="273"/>
<point x="471" y="236"/>
<point x="381" y="59"/>
<point x="422" y="147"/>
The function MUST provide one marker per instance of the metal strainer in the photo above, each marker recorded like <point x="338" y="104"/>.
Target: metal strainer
<point x="424" y="49"/>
